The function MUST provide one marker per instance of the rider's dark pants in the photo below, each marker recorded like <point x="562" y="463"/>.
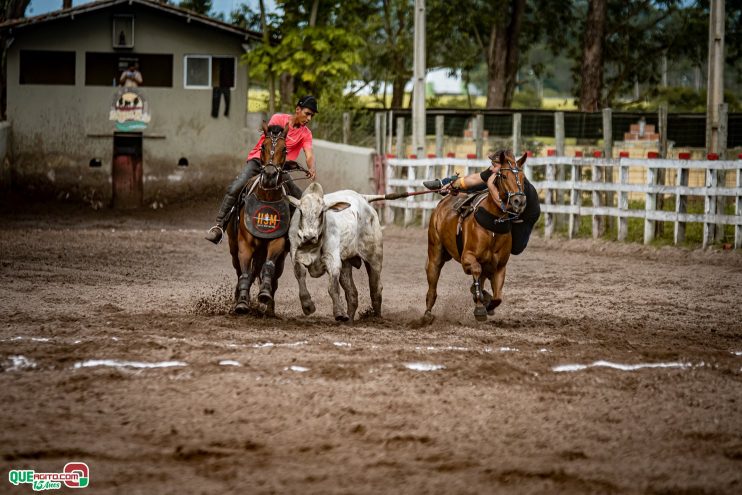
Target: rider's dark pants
<point x="233" y="191"/>
<point x="521" y="231"/>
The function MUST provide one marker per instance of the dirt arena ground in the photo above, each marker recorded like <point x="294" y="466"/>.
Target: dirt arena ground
<point x="307" y="405"/>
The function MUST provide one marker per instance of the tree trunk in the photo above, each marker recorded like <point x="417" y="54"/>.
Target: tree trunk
<point x="286" y="90"/>
<point x="503" y="56"/>
<point x="591" y="73"/>
<point x="398" y="84"/>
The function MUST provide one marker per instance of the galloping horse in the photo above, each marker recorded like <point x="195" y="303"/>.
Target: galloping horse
<point x="481" y="240"/>
<point x="258" y="240"/>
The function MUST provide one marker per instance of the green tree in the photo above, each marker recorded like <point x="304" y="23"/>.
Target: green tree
<point x="199" y="6"/>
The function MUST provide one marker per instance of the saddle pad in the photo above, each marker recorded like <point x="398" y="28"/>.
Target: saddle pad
<point x="266" y="220"/>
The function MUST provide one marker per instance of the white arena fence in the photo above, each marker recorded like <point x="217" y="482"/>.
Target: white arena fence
<point x="566" y="180"/>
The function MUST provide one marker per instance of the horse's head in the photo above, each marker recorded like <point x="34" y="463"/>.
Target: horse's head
<point x="273" y="154"/>
<point x="509" y="180"/>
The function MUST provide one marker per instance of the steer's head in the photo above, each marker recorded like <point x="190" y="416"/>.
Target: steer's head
<point x="311" y="211"/>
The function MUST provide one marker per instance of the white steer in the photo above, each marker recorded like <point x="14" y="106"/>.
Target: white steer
<point x="331" y="234"/>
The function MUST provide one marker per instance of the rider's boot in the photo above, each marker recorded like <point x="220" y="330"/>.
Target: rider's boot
<point x="216" y="232"/>
<point x="436" y="184"/>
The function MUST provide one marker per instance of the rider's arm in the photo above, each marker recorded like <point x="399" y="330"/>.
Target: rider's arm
<point x="309" y="154"/>
<point x="473" y="180"/>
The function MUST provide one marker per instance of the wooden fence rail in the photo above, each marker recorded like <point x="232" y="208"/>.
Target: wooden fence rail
<point x="564" y="197"/>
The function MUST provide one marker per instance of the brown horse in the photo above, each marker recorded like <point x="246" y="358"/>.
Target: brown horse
<point x="484" y="240"/>
<point x="258" y="235"/>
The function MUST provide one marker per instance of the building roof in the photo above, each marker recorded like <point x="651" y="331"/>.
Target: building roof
<point x="189" y="15"/>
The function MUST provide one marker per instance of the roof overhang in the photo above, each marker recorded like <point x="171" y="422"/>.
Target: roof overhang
<point x="188" y="15"/>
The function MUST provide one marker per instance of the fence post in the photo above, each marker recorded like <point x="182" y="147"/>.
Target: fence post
<point x="549" y="217"/>
<point x="680" y="206"/>
<point x="721" y="174"/>
<point x="559" y="132"/>
<point x="516" y="133"/>
<point x="346" y="128"/>
<point x="608" y="169"/>
<point x="439" y="130"/>
<point x="479" y="135"/>
<point x="388" y="209"/>
<point x="738" y="211"/>
<point x="409" y="210"/>
<point x="597" y="219"/>
<point x="378" y="132"/>
<point x="561" y="171"/>
<point x="400" y="137"/>
<point x="575" y="200"/>
<point x="623" y="201"/>
<point x="650" y="205"/>
<point x="661" y="173"/>
<point x="709" y="206"/>
<point x="390" y="131"/>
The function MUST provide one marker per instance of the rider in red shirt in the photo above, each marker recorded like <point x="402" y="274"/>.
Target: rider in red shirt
<point x="298" y="138"/>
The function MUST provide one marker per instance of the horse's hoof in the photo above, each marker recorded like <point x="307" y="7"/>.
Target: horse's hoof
<point x="480" y="313"/>
<point x="241" y="308"/>
<point x="341" y="318"/>
<point x="428" y="318"/>
<point x="309" y="308"/>
<point x="265" y="297"/>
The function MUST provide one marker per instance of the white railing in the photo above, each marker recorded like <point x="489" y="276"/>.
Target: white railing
<point x="609" y="198"/>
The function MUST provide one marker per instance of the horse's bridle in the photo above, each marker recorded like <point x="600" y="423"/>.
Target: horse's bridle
<point x="504" y="203"/>
<point x="274" y="140"/>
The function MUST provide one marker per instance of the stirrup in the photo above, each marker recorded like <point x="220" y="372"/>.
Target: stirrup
<point x="214" y="230"/>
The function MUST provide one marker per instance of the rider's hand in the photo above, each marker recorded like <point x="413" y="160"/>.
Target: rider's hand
<point x="311" y="173"/>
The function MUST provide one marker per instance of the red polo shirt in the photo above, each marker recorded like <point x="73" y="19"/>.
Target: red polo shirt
<point x="298" y="138"/>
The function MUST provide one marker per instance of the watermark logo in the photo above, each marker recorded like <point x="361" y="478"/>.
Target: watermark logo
<point x="74" y="475"/>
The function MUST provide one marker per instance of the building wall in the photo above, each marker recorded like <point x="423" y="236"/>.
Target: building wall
<point x="57" y="130"/>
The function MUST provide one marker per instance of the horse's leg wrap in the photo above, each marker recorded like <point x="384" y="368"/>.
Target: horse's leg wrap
<point x="266" y="282"/>
<point x="242" y="302"/>
<point x="476" y="292"/>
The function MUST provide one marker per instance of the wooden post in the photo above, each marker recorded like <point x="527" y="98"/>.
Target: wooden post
<point x="661" y="173"/>
<point x="575" y="199"/>
<point x="409" y="211"/>
<point x="378" y="132"/>
<point x="439" y="131"/>
<point x="346" y="128"/>
<point x="607" y="221"/>
<point x="681" y="206"/>
<point x="623" y="202"/>
<point x="516" y="133"/>
<point x="561" y="172"/>
<point x="559" y="133"/>
<point x="390" y="131"/>
<point x="738" y="212"/>
<point x="479" y="135"/>
<point x="721" y="175"/>
<point x="400" y="138"/>
<point x="597" y="219"/>
<point x="650" y="206"/>
<point x="388" y="209"/>
<point x="549" y="217"/>
<point x="709" y="206"/>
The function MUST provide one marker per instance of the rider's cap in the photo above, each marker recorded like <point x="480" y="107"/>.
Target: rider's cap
<point x="309" y="102"/>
